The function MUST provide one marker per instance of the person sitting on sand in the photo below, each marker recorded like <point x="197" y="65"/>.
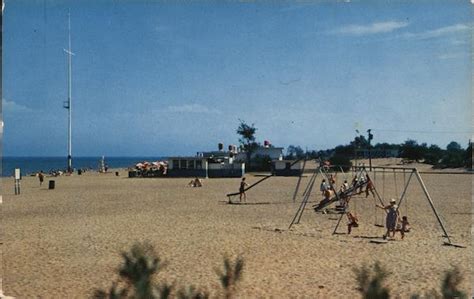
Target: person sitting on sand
<point x="243" y="184"/>
<point x="370" y="187"/>
<point x="195" y="183"/>
<point x="392" y="217"/>
<point x="353" y="222"/>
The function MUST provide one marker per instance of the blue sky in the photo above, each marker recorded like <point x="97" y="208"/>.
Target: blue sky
<point x="161" y="78"/>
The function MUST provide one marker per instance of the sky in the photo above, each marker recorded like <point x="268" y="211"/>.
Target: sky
<point x="159" y="78"/>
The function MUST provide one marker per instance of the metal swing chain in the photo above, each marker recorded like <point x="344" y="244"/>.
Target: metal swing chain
<point x="396" y="187"/>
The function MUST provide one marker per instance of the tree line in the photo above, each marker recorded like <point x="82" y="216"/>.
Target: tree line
<point x="453" y="156"/>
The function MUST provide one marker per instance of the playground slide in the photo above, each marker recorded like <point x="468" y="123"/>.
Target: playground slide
<point x="325" y="203"/>
<point x="251" y="186"/>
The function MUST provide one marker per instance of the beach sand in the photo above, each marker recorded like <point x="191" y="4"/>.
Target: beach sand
<point x="64" y="243"/>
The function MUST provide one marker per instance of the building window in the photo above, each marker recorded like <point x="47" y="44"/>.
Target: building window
<point x="190" y="164"/>
<point x="182" y="164"/>
<point x="176" y="164"/>
<point x="198" y="164"/>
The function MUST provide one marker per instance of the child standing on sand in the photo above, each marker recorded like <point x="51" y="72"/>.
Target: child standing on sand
<point x="353" y="222"/>
<point x="403" y="226"/>
<point x="243" y="184"/>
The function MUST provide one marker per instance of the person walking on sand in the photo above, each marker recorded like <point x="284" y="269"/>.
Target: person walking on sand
<point x="41" y="177"/>
<point x="392" y="217"/>
<point x="243" y="184"/>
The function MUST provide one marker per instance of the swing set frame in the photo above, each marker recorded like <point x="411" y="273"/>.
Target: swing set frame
<point x="359" y="171"/>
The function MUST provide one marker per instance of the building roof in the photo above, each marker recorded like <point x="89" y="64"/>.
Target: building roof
<point x="187" y="158"/>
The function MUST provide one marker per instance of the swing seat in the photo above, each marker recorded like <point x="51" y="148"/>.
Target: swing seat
<point x="378" y="241"/>
<point x="454" y="245"/>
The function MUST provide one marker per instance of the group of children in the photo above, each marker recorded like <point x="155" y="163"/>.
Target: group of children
<point x="393" y="222"/>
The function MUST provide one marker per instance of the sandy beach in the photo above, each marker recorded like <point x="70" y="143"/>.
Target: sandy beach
<point x="64" y="243"/>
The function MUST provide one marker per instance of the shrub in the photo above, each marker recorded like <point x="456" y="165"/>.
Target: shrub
<point x="371" y="282"/>
<point x="142" y="264"/>
<point x="231" y="275"/>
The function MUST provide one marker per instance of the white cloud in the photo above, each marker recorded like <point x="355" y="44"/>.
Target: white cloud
<point x="450" y="55"/>
<point x="11" y="106"/>
<point x="439" y="32"/>
<point x="193" y="108"/>
<point x="374" y="28"/>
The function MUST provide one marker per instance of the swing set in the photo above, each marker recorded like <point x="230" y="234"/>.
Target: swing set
<point x="358" y="184"/>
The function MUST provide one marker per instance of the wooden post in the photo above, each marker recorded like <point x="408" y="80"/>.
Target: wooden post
<point x="17" y="181"/>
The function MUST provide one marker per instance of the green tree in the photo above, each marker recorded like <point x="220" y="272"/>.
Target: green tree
<point x="454" y="156"/>
<point x="453" y="146"/>
<point x="360" y="142"/>
<point x="247" y="138"/>
<point x="294" y="152"/>
<point x="341" y="160"/>
<point x="468" y="156"/>
<point x="433" y="155"/>
<point x="411" y="150"/>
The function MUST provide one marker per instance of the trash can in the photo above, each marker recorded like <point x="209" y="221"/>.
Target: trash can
<point x="79" y="171"/>
<point x="116" y="173"/>
<point x="51" y="184"/>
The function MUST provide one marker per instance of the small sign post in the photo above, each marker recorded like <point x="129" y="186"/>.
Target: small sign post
<point x="17" y="181"/>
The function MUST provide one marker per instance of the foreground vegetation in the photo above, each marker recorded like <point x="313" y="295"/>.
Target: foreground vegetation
<point x="371" y="284"/>
<point x="137" y="279"/>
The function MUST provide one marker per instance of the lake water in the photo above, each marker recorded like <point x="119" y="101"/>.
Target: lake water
<point x="30" y="165"/>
